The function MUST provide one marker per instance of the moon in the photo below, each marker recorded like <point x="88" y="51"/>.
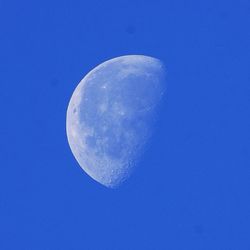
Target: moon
<point x="111" y="116"/>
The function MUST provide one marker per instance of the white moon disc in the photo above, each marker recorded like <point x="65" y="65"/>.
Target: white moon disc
<point x="111" y="113"/>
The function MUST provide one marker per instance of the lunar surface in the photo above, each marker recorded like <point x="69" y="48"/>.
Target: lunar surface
<point x="111" y="115"/>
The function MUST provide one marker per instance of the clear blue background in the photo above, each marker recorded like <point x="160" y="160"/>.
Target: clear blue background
<point x="191" y="189"/>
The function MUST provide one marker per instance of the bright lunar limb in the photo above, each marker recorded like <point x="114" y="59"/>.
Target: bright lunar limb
<point x="111" y="114"/>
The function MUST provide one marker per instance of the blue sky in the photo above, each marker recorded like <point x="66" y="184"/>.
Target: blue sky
<point x="192" y="187"/>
